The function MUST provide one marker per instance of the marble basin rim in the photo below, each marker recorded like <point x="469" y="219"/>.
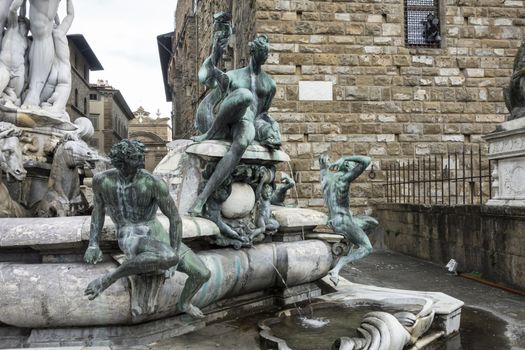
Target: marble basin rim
<point x="265" y="326"/>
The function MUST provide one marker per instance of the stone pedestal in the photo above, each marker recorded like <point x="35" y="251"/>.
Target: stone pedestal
<point x="182" y="167"/>
<point x="507" y="152"/>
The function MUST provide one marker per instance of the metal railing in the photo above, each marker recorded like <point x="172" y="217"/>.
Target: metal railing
<point x="453" y="178"/>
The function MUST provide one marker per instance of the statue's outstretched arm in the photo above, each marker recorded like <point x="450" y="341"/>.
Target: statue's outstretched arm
<point x="209" y="74"/>
<point x="324" y="164"/>
<point x="362" y="163"/>
<point x="68" y="20"/>
<point x="12" y="20"/>
<point x="167" y="207"/>
<point x="23" y="9"/>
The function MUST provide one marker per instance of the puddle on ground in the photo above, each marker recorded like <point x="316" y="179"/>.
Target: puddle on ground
<point x="480" y="330"/>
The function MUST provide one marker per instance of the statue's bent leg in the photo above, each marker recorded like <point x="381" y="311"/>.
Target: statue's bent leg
<point x="41" y="55"/>
<point x="198" y="274"/>
<point x="152" y="255"/>
<point x="355" y="235"/>
<point x="243" y="135"/>
<point x="231" y="111"/>
<point x="4" y="77"/>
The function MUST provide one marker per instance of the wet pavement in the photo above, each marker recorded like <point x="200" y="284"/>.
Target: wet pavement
<point x="493" y="319"/>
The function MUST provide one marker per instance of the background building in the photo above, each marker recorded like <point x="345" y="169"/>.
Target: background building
<point x="361" y="78"/>
<point x="110" y="115"/>
<point x="83" y="60"/>
<point x="154" y="133"/>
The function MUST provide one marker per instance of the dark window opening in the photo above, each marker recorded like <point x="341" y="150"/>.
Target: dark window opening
<point x="93" y="97"/>
<point x="94" y="120"/>
<point x="422" y="23"/>
<point x="76" y="97"/>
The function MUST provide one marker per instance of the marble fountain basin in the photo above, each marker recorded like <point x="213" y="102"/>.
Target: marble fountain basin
<point x="364" y="318"/>
<point x="43" y="274"/>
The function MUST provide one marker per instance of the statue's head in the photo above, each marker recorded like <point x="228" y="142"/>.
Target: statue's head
<point x="127" y="156"/>
<point x="259" y="49"/>
<point x="267" y="131"/>
<point x="11" y="158"/>
<point x="342" y="165"/>
<point x="266" y="192"/>
<point x="78" y="153"/>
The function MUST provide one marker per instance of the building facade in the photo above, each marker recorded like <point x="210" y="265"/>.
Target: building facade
<point x="154" y="133"/>
<point x="378" y="78"/>
<point x="82" y="60"/>
<point x="110" y="115"/>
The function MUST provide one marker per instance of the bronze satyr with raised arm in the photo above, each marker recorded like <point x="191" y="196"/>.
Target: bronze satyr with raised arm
<point x="131" y="197"/>
<point x="335" y="182"/>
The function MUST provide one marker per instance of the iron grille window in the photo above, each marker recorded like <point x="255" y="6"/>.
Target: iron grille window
<point x="422" y="24"/>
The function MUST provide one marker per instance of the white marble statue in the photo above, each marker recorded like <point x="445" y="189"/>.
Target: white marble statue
<point x="58" y="86"/>
<point x="42" y="53"/>
<point x="4" y="11"/>
<point x="37" y="79"/>
<point x="12" y="54"/>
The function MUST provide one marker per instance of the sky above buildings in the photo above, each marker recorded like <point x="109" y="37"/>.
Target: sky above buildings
<point x="123" y="35"/>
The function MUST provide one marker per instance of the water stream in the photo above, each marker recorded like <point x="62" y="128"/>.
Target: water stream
<point x="308" y="322"/>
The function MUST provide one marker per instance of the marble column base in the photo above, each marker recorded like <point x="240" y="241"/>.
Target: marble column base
<point x="507" y="153"/>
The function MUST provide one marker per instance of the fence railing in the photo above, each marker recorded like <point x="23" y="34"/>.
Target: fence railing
<point x="460" y="177"/>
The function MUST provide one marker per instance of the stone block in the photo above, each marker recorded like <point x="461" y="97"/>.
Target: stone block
<point x="342" y="17"/>
<point x="374" y="19"/>
<point x="449" y="71"/>
<point x="423" y="60"/>
<point x="390" y="29"/>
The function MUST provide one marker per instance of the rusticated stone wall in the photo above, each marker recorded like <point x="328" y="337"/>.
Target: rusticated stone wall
<point x="191" y="45"/>
<point x="487" y="240"/>
<point x="183" y="74"/>
<point x="389" y="101"/>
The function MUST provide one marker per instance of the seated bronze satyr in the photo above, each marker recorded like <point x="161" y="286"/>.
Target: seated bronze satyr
<point x="236" y="109"/>
<point x="131" y="197"/>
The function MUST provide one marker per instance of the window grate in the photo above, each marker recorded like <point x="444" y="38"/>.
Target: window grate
<point x="422" y="24"/>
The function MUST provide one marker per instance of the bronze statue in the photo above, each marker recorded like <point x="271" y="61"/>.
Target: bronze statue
<point x="431" y="29"/>
<point x="279" y="195"/>
<point x="515" y="93"/>
<point x="335" y="182"/>
<point x="132" y="195"/>
<point x="236" y="109"/>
